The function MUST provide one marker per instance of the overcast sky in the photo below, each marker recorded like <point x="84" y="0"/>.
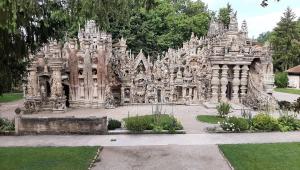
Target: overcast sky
<point x="259" y="19"/>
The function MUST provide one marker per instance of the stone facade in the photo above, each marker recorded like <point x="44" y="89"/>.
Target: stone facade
<point x="224" y="65"/>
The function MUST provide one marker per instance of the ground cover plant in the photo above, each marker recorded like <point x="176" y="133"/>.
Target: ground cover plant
<point x="9" y="97"/>
<point x="6" y="125"/>
<point x="210" y="119"/>
<point x="46" y="158"/>
<point x="263" y="156"/>
<point x="155" y="122"/>
<point x="287" y="90"/>
<point x="223" y="109"/>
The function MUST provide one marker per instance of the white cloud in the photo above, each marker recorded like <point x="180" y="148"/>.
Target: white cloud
<point x="264" y="23"/>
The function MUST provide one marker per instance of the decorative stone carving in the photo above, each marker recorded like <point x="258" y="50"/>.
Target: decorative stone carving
<point x="98" y="73"/>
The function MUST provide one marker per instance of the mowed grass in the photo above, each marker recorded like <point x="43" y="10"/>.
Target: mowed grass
<point x="9" y="97"/>
<point x="46" y="158"/>
<point x="287" y="90"/>
<point x="281" y="156"/>
<point x="210" y="119"/>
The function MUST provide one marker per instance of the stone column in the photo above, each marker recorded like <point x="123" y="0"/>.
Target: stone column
<point x="184" y="92"/>
<point x="224" y="82"/>
<point x="244" y="80"/>
<point x="32" y="84"/>
<point x="236" y="84"/>
<point x="56" y="86"/>
<point x="122" y="95"/>
<point x="215" y="81"/>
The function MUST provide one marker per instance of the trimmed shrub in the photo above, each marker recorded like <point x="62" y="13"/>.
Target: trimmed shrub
<point x="263" y="121"/>
<point x="235" y="124"/>
<point x="155" y="122"/>
<point x="223" y="109"/>
<point x="281" y="79"/>
<point x="288" y="123"/>
<point x="113" y="124"/>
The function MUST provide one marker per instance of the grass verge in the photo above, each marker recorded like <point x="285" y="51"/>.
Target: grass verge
<point x="46" y="158"/>
<point x="212" y="119"/>
<point x="287" y="90"/>
<point x="263" y="156"/>
<point x="9" y="97"/>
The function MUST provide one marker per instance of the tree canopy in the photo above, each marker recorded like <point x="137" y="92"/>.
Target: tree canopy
<point x="285" y="42"/>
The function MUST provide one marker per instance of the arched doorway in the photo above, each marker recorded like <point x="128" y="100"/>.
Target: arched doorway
<point x="67" y="94"/>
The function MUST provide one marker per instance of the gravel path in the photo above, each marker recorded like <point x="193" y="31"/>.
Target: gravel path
<point x="149" y="140"/>
<point x="285" y="96"/>
<point x="171" y="157"/>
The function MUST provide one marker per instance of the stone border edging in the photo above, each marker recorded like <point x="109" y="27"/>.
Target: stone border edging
<point x="96" y="158"/>
<point x="224" y="157"/>
<point x="122" y="132"/>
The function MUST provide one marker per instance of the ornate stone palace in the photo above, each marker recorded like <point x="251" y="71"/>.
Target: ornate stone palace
<point x="91" y="71"/>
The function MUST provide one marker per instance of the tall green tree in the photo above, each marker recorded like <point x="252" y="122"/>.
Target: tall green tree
<point x="285" y="42"/>
<point x="224" y="15"/>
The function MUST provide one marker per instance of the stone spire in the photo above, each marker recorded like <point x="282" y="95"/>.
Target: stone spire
<point x="233" y="25"/>
<point x="213" y="28"/>
<point x="244" y="28"/>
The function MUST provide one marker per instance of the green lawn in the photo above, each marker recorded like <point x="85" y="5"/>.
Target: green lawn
<point x="288" y="90"/>
<point x="282" y="156"/>
<point x="9" y="97"/>
<point x="46" y="158"/>
<point x="210" y="119"/>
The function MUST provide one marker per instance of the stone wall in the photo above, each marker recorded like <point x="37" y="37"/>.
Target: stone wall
<point x="60" y="125"/>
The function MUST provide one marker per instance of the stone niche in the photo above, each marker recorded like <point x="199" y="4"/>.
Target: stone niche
<point x="60" y="125"/>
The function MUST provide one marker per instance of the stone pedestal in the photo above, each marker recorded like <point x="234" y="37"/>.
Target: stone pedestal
<point x="224" y="82"/>
<point x="215" y="83"/>
<point x="236" y="84"/>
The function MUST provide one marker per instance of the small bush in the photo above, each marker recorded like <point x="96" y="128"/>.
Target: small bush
<point x="223" y="109"/>
<point x="296" y="106"/>
<point x="113" y="124"/>
<point x="285" y="105"/>
<point x="155" y="122"/>
<point x="6" y="125"/>
<point x="265" y="122"/>
<point x="288" y="123"/>
<point x="281" y="79"/>
<point x="235" y="124"/>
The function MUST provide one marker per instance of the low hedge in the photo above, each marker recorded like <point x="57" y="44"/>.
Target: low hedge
<point x="155" y="122"/>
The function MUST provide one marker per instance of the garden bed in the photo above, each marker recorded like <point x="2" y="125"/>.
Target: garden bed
<point x="157" y="123"/>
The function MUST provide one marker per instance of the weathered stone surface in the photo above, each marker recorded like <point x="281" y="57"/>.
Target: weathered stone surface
<point x="60" y="125"/>
<point x="225" y="65"/>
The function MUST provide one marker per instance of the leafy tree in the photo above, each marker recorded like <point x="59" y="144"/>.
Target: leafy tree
<point x="285" y="42"/>
<point x="224" y="15"/>
<point x="264" y="37"/>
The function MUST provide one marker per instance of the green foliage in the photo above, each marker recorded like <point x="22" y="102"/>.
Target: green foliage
<point x="210" y="119"/>
<point x="264" y="37"/>
<point x="285" y="42"/>
<point x="6" y="125"/>
<point x="265" y="122"/>
<point x="224" y="15"/>
<point x="46" y="158"/>
<point x="234" y="124"/>
<point x="113" y="124"/>
<point x="9" y="97"/>
<point x="155" y="122"/>
<point x="288" y="123"/>
<point x="281" y="79"/>
<point x="223" y="109"/>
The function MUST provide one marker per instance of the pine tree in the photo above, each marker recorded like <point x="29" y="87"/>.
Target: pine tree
<point x="285" y="42"/>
